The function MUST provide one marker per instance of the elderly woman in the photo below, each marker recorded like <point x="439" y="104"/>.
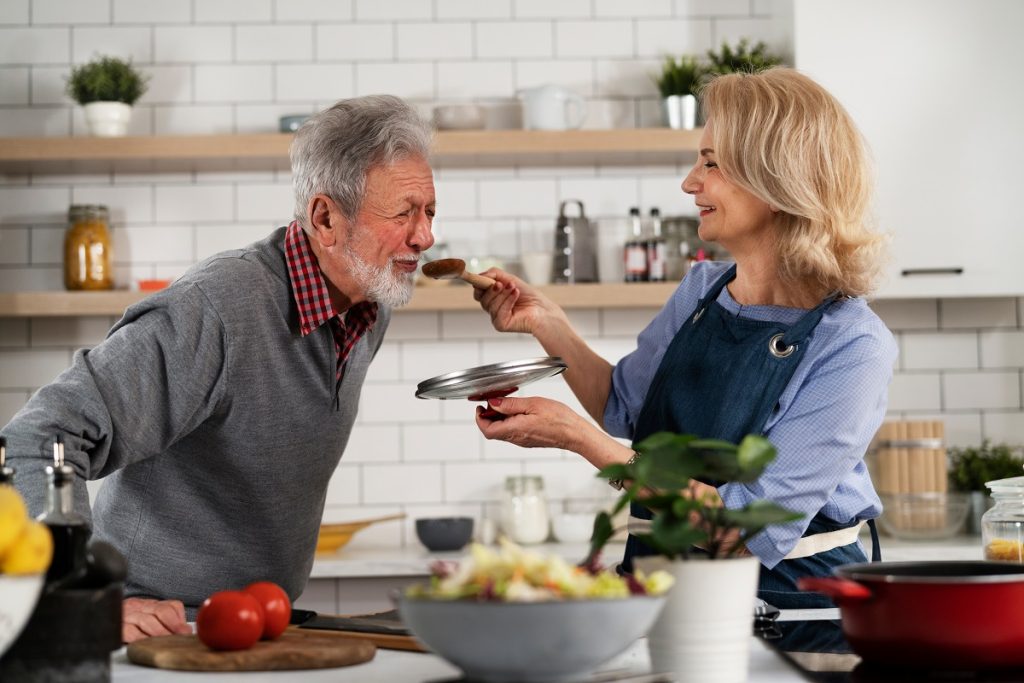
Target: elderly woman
<point x="779" y="343"/>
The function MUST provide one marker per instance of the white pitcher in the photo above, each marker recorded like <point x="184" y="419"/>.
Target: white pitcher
<point x="552" y="107"/>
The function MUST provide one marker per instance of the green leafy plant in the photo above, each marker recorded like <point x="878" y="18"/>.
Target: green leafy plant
<point x="970" y="468"/>
<point x="743" y="57"/>
<point x="679" y="76"/>
<point x="662" y="478"/>
<point x="106" y="79"/>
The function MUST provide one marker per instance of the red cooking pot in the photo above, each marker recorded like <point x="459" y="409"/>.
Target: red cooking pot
<point x="935" y="615"/>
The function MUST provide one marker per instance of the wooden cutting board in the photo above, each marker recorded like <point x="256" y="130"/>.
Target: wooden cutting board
<point x="295" y="649"/>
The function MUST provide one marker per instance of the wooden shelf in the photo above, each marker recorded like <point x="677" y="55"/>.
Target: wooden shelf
<point x="83" y="154"/>
<point x="455" y="297"/>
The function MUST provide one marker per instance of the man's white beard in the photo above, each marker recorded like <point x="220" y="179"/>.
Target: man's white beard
<point x="384" y="284"/>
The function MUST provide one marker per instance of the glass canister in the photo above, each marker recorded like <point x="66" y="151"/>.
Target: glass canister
<point x="524" y="511"/>
<point x="87" y="255"/>
<point x="1002" y="526"/>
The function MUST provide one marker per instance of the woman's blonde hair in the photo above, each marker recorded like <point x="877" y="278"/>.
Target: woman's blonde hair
<point x="784" y="138"/>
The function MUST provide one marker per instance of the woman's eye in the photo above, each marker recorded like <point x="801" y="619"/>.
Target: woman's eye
<point x="710" y="164"/>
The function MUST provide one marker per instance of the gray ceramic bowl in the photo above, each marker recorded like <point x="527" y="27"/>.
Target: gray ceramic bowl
<point x="529" y="642"/>
<point x="444" y="533"/>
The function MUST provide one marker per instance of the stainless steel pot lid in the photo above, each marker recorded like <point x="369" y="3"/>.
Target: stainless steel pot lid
<point x="496" y="380"/>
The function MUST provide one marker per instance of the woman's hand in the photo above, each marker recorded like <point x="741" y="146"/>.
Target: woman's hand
<point x="144" y="617"/>
<point x="533" y="423"/>
<point x="515" y="306"/>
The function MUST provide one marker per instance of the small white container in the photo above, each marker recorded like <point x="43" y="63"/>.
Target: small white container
<point x="572" y="527"/>
<point x="524" y="510"/>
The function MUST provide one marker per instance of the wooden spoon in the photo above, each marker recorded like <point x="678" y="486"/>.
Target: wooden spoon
<point x="454" y="268"/>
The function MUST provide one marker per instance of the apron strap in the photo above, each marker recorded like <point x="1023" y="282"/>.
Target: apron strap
<point x="802" y="327"/>
<point x="876" y="547"/>
<point x="712" y="294"/>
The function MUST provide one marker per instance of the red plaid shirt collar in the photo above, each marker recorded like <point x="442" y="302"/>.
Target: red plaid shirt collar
<point x="314" y="300"/>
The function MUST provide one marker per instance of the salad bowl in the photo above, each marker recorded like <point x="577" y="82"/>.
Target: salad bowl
<point x="515" y="615"/>
<point x="529" y="642"/>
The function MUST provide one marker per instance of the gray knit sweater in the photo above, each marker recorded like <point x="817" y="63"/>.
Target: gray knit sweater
<point x="215" y="424"/>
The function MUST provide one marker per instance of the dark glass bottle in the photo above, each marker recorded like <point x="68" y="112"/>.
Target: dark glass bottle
<point x="6" y="473"/>
<point x="636" y="250"/>
<point x="69" y="529"/>
<point x="657" y="249"/>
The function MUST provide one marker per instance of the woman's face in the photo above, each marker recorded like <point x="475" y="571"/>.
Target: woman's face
<point x="729" y="214"/>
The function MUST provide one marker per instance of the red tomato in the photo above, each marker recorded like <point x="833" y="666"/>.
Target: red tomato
<point x="230" y="620"/>
<point x="277" y="608"/>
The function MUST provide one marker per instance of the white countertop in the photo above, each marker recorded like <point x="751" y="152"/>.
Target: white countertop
<point x="394" y="666"/>
<point x="415" y="560"/>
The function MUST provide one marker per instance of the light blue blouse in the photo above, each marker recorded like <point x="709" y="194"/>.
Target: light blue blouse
<point x="826" y="417"/>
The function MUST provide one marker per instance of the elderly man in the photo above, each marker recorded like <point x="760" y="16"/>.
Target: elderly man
<point x="218" y="408"/>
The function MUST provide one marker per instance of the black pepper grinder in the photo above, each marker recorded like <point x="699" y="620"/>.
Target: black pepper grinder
<point x="69" y="529"/>
<point x="6" y="473"/>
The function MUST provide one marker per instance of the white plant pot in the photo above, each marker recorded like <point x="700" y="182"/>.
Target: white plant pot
<point x="108" y="119"/>
<point x="703" y="633"/>
<point x="680" y="111"/>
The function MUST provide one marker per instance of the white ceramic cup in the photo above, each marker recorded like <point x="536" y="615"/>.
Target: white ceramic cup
<point x="551" y="107"/>
<point x="537" y="267"/>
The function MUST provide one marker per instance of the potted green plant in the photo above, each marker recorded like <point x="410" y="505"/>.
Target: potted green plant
<point x="677" y="84"/>
<point x="106" y="87"/>
<point x="742" y="57"/>
<point x="710" y="606"/>
<point x="970" y="467"/>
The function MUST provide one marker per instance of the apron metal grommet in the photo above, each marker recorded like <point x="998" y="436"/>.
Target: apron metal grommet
<point x="699" y="314"/>
<point x="778" y="349"/>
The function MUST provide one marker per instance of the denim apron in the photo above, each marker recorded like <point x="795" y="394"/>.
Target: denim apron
<point x="721" y="377"/>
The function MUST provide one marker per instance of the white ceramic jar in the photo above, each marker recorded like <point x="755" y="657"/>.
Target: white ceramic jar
<point x="524" y="510"/>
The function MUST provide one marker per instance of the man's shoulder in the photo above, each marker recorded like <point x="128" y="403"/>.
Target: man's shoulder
<point x="237" y="272"/>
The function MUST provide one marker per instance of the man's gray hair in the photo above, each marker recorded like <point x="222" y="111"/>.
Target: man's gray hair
<point x="334" y="150"/>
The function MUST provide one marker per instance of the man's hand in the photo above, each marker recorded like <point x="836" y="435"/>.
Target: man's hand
<point x="144" y="617"/>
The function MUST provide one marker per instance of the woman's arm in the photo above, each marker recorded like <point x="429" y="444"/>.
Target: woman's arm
<point x="545" y="423"/>
<point x="514" y="306"/>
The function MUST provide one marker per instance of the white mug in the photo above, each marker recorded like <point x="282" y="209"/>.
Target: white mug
<point x="551" y="107"/>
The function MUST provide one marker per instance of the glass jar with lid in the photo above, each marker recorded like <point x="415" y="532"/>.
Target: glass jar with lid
<point x="87" y="254"/>
<point x="524" y="511"/>
<point x="1002" y="526"/>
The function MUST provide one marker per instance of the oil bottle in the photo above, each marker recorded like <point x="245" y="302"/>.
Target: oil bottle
<point x="69" y="529"/>
<point x="6" y="473"/>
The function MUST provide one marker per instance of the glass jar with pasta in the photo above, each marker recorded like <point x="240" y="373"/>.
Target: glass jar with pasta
<point x="87" y="254"/>
<point x="1002" y="527"/>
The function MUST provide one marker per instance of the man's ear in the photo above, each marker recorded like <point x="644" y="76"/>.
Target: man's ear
<point x="324" y="217"/>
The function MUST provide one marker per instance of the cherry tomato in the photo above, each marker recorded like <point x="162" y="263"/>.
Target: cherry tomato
<point x="230" y="620"/>
<point x="277" y="608"/>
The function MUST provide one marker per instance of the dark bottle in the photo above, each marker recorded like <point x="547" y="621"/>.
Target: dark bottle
<point x="657" y="249"/>
<point x="6" y="473"/>
<point x="635" y="250"/>
<point x="69" y="529"/>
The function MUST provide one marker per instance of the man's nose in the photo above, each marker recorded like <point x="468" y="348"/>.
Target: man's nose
<point x="422" y="238"/>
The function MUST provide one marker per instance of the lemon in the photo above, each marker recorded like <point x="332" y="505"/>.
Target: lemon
<point x="13" y="516"/>
<point x="31" y="552"/>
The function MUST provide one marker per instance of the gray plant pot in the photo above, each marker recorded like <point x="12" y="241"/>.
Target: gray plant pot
<point x="680" y="111"/>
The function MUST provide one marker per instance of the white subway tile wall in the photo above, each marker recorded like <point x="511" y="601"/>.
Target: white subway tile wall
<point x="234" y="66"/>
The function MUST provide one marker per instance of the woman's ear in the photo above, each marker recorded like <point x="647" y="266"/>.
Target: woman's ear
<point x="321" y="214"/>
